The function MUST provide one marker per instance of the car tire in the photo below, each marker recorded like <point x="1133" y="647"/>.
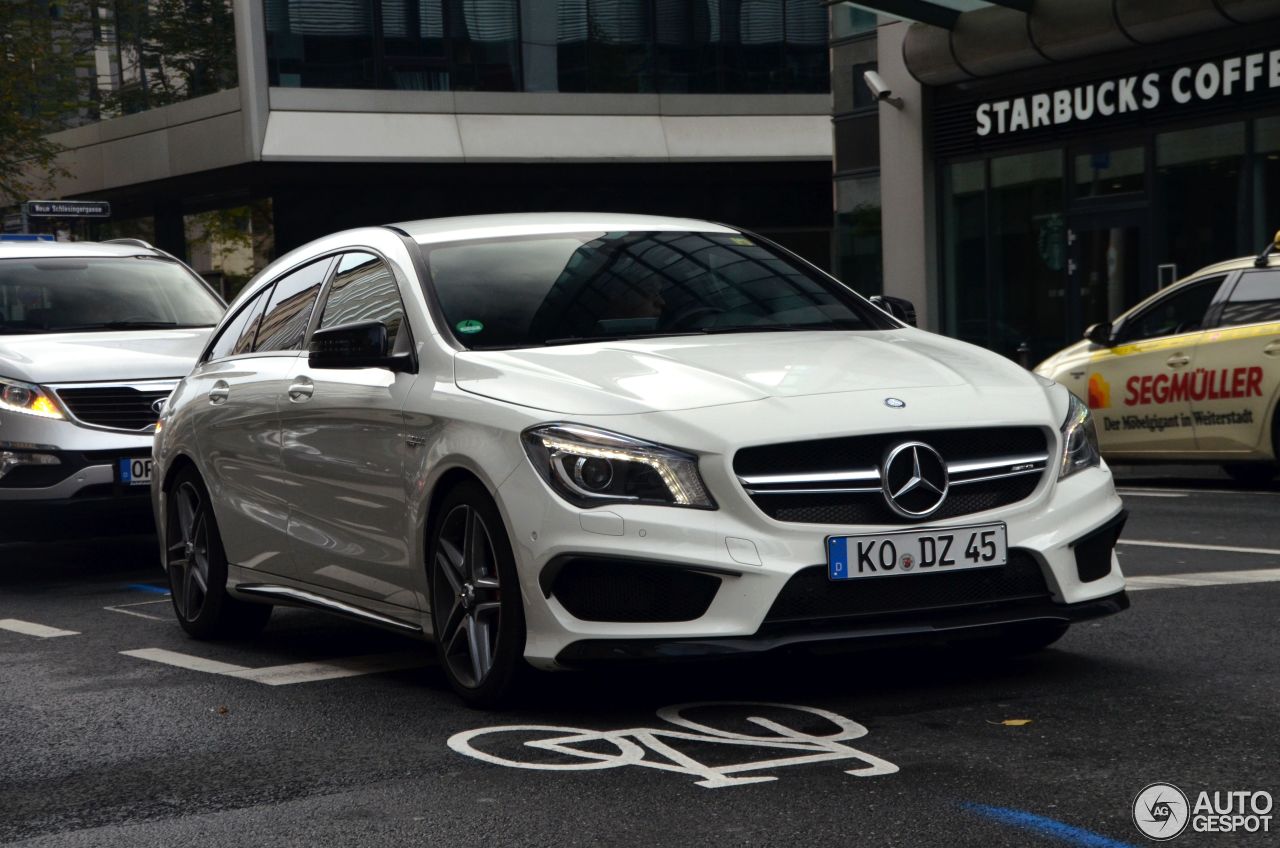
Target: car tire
<point x="477" y="611"/>
<point x="1023" y="638"/>
<point x="197" y="567"/>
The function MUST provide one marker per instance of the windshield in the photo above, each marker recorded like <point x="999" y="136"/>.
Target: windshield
<point x="101" y="293"/>
<point x="582" y="287"/>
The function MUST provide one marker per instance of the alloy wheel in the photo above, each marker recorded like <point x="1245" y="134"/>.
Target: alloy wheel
<point x="467" y="596"/>
<point x="189" y="554"/>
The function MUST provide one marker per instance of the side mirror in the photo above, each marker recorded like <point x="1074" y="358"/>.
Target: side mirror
<point x="899" y="307"/>
<point x="1099" y="334"/>
<point x="360" y="345"/>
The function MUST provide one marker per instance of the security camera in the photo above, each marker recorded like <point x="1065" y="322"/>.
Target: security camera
<point x="880" y="90"/>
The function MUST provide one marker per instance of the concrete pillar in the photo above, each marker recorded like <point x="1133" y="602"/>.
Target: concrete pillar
<point x="906" y="184"/>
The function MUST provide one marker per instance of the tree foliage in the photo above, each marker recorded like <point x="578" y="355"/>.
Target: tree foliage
<point x="44" y="78"/>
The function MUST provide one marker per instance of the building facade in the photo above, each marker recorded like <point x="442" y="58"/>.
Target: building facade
<point x="1052" y="163"/>
<point x="229" y="131"/>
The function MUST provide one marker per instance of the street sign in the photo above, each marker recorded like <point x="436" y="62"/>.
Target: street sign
<point x="68" y="209"/>
<point x="27" y="237"/>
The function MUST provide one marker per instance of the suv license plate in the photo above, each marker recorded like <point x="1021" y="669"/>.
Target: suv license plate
<point x="916" y="552"/>
<point x="135" y="472"/>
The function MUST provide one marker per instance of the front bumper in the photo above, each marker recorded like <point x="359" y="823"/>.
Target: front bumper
<point x="754" y="557"/>
<point x="935" y="626"/>
<point x="86" y="465"/>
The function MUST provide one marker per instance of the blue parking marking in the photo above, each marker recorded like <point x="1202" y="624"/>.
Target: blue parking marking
<point x="147" y="587"/>
<point x="1046" y="826"/>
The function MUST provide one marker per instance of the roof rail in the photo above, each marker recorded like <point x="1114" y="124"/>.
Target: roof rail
<point x="132" y="242"/>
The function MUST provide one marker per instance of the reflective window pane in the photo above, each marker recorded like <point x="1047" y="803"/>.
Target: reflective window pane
<point x="237" y="337"/>
<point x="968" y="306"/>
<point x="364" y="289"/>
<point x="289" y="312"/>
<point x="1105" y="171"/>
<point x="859" y="260"/>
<point x="1200" y="195"/>
<point x="1180" y="312"/>
<point x="1255" y="299"/>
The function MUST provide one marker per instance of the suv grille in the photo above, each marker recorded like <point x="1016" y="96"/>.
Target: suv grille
<point x="117" y="407"/>
<point x="809" y="595"/>
<point x="838" y="481"/>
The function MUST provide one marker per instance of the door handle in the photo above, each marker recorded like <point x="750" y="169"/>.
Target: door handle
<point x="1272" y="349"/>
<point x="301" y="390"/>
<point x="1177" y="360"/>
<point x="219" y="392"/>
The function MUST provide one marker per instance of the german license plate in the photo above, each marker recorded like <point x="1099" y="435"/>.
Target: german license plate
<point x="916" y="552"/>
<point x="135" y="472"/>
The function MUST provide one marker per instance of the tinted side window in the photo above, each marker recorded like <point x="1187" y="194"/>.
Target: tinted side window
<point x="1256" y="299"/>
<point x="238" y="335"/>
<point x="285" y="321"/>
<point x="364" y="289"/>
<point x="1180" y="312"/>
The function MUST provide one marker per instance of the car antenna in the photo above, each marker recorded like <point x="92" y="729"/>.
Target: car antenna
<point x="1261" y="261"/>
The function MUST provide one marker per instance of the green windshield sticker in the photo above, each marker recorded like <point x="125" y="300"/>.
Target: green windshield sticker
<point x="745" y="242"/>
<point x="469" y="327"/>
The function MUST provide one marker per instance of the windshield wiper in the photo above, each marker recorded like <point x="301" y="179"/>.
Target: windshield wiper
<point x="127" y="325"/>
<point x="618" y="338"/>
<point x="779" y="328"/>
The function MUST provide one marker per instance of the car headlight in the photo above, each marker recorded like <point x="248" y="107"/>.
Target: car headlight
<point x="1079" y="440"/>
<point x="27" y="398"/>
<point x="590" y="467"/>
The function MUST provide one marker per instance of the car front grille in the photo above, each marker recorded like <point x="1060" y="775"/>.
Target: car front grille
<point x="811" y="596"/>
<point x="116" y="407"/>
<point x="838" y="481"/>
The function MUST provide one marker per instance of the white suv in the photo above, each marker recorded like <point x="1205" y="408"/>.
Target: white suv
<point x="572" y="438"/>
<point x="93" y="338"/>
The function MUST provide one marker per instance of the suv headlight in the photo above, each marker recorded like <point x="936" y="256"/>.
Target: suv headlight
<point x="590" y="467"/>
<point x="1079" y="440"/>
<point x="27" y="398"/>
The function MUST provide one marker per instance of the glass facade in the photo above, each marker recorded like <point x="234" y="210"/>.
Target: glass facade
<point x="1038" y="245"/>
<point x="98" y="59"/>
<point x="617" y="46"/>
<point x="857" y="255"/>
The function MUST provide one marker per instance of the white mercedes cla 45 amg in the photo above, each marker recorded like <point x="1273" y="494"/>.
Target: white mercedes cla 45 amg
<point x="566" y="439"/>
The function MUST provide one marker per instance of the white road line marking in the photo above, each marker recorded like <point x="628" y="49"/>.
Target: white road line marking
<point x="309" y="672"/>
<point x="1192" y="546"/>
<point x="1136" y="493"/>
<point x="186" y="661"/>
<point x="27" y="628"/>
<point x="1203" y="578"/>
<point x="121" y="608"/>
<point x="285" y="675"/>
<point x="1249" y="492"/>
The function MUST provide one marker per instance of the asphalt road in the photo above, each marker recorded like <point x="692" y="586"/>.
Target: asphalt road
<point x="99" y="747"/>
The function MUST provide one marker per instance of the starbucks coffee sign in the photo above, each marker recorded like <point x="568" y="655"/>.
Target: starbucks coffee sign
<point x="1144" y="92"/>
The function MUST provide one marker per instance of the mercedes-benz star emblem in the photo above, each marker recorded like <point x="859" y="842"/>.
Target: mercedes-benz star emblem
<point x="157" y="406"/>
<point x="894" y="403"/>
<point x="914" y="480"/>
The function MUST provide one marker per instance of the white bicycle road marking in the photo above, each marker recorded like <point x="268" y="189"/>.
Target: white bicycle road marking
<point x="285" y="675"/>
<point x="28" y="628"/>
<point x="634" y="745"/>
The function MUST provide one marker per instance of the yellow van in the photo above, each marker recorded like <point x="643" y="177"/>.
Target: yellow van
<point x="1190" y="374"/>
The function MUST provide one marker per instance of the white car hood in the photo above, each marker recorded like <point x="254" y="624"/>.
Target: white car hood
<point x="102" y="356"/>
<point x="619" y="378"/>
